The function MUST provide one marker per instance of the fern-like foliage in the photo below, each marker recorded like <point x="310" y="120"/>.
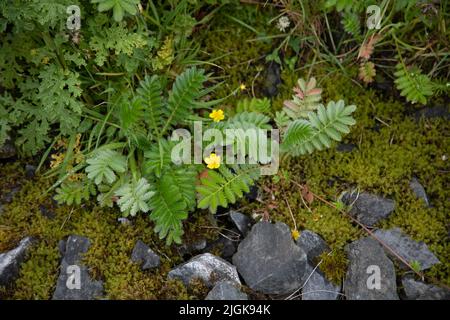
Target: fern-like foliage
<point x="171" y="203"/>
<point x="321" y="128"/>
<point x="306" y="98"/>
<point x="119" y="7"/>
<point x="298" y="131"/>
<point x="104" y="164"/>
<point x="350" y="21"/>
<point x="225" y="186"/>
<point x="253" y="105"/>
<point x="74" y="192"/>
<point x="184" y="97"/>
<point x="149" y="93"/>
<point x="131" y="114"/>
<point x="133" y="197"/>
<point x="413" y="85"/>
<point x="246" y="120"/>
<point x="282" y="120"/>
<point x="158" y="158"/>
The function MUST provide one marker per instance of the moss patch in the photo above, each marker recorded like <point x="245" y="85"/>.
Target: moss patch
<point x="108" y="256"/>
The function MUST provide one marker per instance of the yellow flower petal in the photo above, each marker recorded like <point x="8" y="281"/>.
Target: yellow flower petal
<point x="242" y="87"/>
<point x="213" y="161"/>
<point x="295" y="234"/>
<point x="217" y="115"/>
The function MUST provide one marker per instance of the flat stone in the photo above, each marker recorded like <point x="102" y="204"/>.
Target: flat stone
<point x="242" y="222"/>
<point x="407" y="248"/>
<point x="74" y="282"/>
<point x="418" y="290"/>
<point x="269" y="261"/>
<point x="226" y="290"/>
<point x="419" y="191"/>
<point x="10" y="261"/>
<point x="368" y="208"/>
<point x="145" y="256"/>
<point x="312" y="244"/>
<point x="206" y="267"/>
<point x="317" y="287"/>
<point x="366" y="257"/>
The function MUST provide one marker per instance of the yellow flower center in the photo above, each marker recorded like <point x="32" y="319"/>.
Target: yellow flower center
<point x="217" y="115"/>
<point x="213" y="161"/>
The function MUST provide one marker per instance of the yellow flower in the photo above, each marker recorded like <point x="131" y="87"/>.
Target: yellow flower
<point x="213" y="161"/>
<point x="295" y="234"/>
<point x="242" y="87"/>
<point x="217" y="115"/>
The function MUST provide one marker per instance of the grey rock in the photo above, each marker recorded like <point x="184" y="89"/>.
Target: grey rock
<point x="269" y="261"/>
<point x="407" y="248"/>
<point x="241" y="221"/>
<point x="30" y="171"/>
<point x="433" y="112"/>
<point x="253" y="194"/>
<point x="71" y="266"/>
<point x="368" y="208"/>
<point x="312" y="244"/>
<point x="145" y="256"/>
<point x="191" y="248"/>
<point x="8" y="149"/>
<point x="418" y="290"/>
<point x="419" y="191"/>
<point x="198" y="245"/>
<point x="225" y="245"/>
<point x="317" y="287"/>
<point x="272" y="79"/>
<point x="206" y="267"/>
<point x="345" y="147"/>
<point x="10" y="261"/>
<point x="62" y="247"/>
<point x="226" y="290"/>
<point x="364" y="255"/>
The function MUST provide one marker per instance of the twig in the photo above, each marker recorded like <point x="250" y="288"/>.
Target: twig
<point x="292" y="295"/>
<point x="365" y="229"/>
<point x="290" y="211"/>
<point x="67" y="219"/>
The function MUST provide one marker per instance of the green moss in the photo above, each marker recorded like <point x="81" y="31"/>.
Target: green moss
<point x="334" y="265"/>
<point x="38" y="274"/>
<point x="234" y="48"/>
<point x="108" y="256"/>
<point x="391" y="148"/>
